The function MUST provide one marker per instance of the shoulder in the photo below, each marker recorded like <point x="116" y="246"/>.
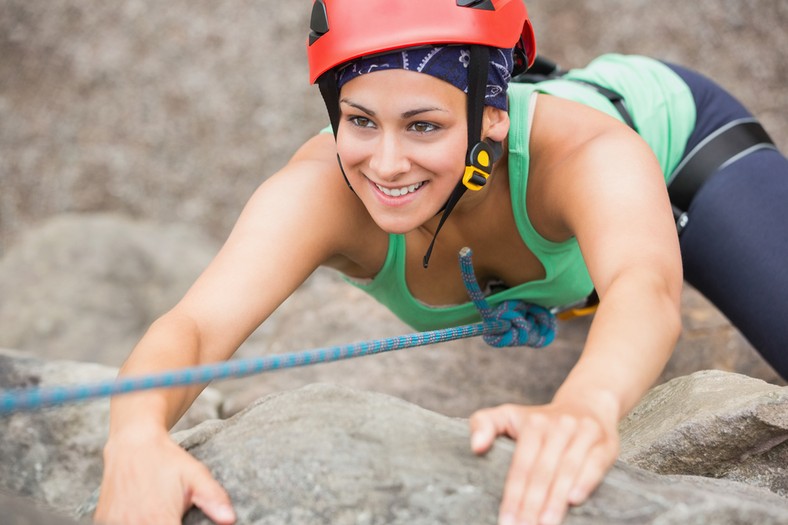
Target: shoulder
<point x="309" y="197"/>
<point x="598" y="181"/>
<point x="577" y="152"/>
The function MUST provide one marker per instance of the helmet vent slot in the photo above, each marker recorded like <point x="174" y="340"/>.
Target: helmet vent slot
<point x="477" y="4"/>
<point x="319" y="21"/>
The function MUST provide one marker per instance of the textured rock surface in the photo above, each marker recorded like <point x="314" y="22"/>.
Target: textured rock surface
<point x="54" y="455"/>
<point x="329" y="455"/>
<point x="25" y="511"/>
<point x="712" y="424"/>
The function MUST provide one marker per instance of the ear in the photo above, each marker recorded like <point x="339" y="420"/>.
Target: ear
<point x="495" y="124"/>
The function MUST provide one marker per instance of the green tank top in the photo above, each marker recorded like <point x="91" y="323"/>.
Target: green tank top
<point x="662" y="107"/>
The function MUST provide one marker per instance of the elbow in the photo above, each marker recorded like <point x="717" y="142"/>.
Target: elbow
<point x="673" y="292"/>
<point x="674" y="323"/>
<point x="668" y="292"/>
<point x="653" y="297"/>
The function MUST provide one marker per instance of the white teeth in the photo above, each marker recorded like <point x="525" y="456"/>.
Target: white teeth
<point x="399" y="192"/>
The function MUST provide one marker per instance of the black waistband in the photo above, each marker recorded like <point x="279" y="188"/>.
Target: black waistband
<point x="717" y="150"/>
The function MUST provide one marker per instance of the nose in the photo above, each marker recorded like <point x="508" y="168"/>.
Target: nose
<point x="389" y="159"/>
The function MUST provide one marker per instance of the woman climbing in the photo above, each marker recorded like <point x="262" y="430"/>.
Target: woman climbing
<point x="559" y="187"/>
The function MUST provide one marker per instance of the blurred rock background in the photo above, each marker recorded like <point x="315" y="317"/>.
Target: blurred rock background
<point x="175" y="111"/>
<point x="132" y="132"/>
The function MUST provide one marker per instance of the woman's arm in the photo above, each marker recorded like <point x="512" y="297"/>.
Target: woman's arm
<point x="293" y="223"/>
<point x="607" y="190"/>
<point x="615" y="202"/>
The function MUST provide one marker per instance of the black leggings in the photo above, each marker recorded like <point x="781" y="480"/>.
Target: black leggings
<point x="735" y="245"/>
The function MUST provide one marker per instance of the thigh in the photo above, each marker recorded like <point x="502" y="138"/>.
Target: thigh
<point x="735" y="245"/>
<point x="735" y="249"/>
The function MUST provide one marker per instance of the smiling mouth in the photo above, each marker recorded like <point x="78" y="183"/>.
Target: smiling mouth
<point x="399" y="192"/>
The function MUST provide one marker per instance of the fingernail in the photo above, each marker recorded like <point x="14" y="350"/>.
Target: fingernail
<point x="550" y="517"/>
<point x="477" y="440"/>
<point x="507" y="519"/>
<point x="224" y="513"/>
<point x="577" y="496"/>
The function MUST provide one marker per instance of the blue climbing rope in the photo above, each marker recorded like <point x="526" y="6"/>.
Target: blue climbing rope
<point x="528" y="324"/>
<point x="510" y="323"/>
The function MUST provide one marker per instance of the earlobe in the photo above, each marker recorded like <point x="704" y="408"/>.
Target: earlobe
<point x="495" y="124"/>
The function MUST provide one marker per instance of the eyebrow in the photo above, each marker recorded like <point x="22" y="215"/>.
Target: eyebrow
<point x="406" y="115"/>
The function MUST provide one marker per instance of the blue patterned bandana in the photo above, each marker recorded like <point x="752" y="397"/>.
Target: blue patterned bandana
<point x="448" y="63"/>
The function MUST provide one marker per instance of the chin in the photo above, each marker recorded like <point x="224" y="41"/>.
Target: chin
<point x="398" y="225"/>
<point x="395" y="227"/>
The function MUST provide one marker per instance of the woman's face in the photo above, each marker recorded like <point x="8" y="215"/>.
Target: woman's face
<point x="402" y="139"/>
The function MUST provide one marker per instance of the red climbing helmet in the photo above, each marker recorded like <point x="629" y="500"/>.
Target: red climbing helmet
<point x="343" y="30"/>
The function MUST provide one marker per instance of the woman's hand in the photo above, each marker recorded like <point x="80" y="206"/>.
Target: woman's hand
<point x="563" y="451"/>
<point x="156" y="481"/>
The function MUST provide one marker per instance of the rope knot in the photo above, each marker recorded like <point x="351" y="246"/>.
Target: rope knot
<point x="529" y="325"/>
<point x="525" y="324"/>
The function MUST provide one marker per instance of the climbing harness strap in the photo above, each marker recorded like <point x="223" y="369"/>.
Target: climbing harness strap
<point x="511" y="324"/>
<point x="614" y="97"/>
<point x="722" y="147"/>
<point x="545" y="69"/>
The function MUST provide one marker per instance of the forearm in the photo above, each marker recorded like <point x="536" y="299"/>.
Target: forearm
<point x="631" y="338"/>
<point x="564" y="448"/>
<point x="148" y="477"/>
<point x="173" y="341"/>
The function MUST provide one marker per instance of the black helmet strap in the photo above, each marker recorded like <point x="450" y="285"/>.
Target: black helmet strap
<point x="480" y="155"/>
<point x="330" y="92"/>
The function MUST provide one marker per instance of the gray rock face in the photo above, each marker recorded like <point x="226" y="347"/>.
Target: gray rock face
<point x="330" y="455"/>
<point x="712" y="424"/>
<point x="174" y="114"/>
<point x="54" y="455"/>
<point x="24" y="511"/>
<point x="324" y="454"/>
<point x="336" y="455"/>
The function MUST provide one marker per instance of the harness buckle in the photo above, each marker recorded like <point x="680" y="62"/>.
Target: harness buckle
<point x="583" y="307"/>
<point x="681" y="217"/>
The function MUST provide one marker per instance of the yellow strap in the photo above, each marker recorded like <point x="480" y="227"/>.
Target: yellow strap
<point x="576" y="312"/>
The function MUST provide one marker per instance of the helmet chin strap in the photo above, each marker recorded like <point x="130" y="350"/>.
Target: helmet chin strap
<point x="330" y="92"/>
<point x="481" y="155"/>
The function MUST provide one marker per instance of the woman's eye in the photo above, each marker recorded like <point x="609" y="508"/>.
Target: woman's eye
<point x="362" y="122"/>
<point x="423" y="127"/>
